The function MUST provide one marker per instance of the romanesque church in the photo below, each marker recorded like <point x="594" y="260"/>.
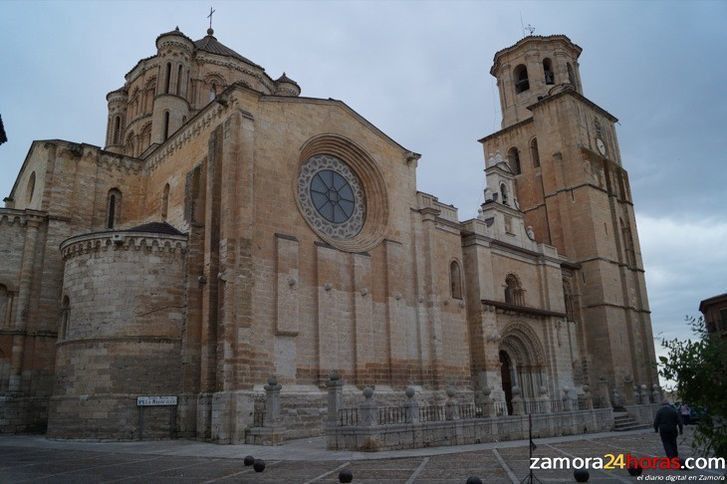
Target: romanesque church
<point x="231" y="229"/>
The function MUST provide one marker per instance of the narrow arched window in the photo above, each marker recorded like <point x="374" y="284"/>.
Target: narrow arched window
<point x="513" y="158"/>
<point x="113" y="207"/>
<point x="514" y="293"/>
<point x="168" y="78"/>
<point x="571" y="75"/>
<point x="4" y="306"/>
<point x="166" y="124"/>
<point x="65" y="317"/>
<point x="30" y="190"/>
<point x="455" y="280"/>
<point x="534" y="153"/>
<point x="165" y="201"/>
<point x="179" y="80"/>
<point x="569" y="301"/>
<point x="503" y="192"/>
<point x="522" y="83"/>
<point x="548" y="71"/>
<point x="117" y="130"/>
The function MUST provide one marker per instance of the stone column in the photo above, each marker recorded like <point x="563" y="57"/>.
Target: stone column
<point x="22" y="313"/>
<point x="645" y="398"/>
<point x="587" y="398"/>
<point x="637" y="395"/>
<point x="489" y="403"/>
<point x="335" y="397"/>
<point x="450" y="408"/>
<point x="272" y="402"/>
<point x="368" y="409"/>
<point x="545" y="400"/>
<point x="518" y="406"/>
<point x="412" y="406"/>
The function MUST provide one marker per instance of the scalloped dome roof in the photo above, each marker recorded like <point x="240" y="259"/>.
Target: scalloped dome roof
<point x="210" y="44"/>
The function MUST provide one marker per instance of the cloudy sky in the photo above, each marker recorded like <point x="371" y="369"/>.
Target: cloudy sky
<point x="419" y="71"/>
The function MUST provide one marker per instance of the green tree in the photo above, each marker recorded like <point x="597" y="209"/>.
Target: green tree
<point x="699" y="368"/>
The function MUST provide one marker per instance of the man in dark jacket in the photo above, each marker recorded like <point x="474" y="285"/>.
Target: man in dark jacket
<point x="666" y="422"/>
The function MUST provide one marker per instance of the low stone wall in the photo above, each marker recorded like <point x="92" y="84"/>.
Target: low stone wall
<point x="643" y="414"/>
<point x="467" y="431"/>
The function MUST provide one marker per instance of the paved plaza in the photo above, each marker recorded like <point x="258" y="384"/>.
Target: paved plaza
<point x="36" y="459"/>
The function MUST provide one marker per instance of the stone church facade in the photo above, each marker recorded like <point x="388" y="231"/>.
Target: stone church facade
<point x="232" y="229"/>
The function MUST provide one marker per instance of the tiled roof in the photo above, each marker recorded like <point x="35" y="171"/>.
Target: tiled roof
<point x="287" y="79"/>
<point x="210" y="44"/>
<point x="155" y="228"/>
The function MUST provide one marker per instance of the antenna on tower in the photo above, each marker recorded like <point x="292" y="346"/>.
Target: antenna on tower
<point x="527" y="29"/>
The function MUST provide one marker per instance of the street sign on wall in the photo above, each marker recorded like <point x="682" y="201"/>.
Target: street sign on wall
<point x="156" y="401"/>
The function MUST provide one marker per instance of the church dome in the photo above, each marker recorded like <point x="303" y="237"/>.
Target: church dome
<point x="285" y="86"/>
<point x="211" y="45"/>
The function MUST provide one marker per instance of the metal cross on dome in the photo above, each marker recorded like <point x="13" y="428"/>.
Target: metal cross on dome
<point x="212" y="10"/>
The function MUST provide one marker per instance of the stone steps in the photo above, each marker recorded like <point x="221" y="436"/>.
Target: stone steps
<point x="623" y="421"/>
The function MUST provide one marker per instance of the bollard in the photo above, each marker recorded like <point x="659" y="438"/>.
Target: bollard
<point x="272" y="402"/>
<point x="335" y="397"/>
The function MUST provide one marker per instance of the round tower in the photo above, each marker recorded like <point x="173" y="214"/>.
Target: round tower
<point x="117" y="102"/>
<point x="171" y="103"/>
<point x="123" y="308"/>
<point x="529" y="70"/>
<point x="285" y="86"/>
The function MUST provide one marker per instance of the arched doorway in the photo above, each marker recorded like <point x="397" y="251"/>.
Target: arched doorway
<point x="522" y="362"/>
<point x="506" y="376"/>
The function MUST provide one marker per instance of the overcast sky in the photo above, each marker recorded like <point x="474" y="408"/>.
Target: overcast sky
<point x="420" y="72"/>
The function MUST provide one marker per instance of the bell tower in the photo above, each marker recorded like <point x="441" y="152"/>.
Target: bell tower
<point x="574" y="192"/>
<point x="530" y="70"/>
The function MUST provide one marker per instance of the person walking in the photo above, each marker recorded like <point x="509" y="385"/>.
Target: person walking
<point x="668" y="424"/>
<point x="685" y="411"/>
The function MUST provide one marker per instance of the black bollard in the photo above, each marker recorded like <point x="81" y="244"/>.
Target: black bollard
<point x="581" y="475"/>
<point x="474" y="480"/>
<point x="259" y="465"/>
<point x="635" y="470"/>
<point x="249" y="460"/>
<point x="345" y="476"/>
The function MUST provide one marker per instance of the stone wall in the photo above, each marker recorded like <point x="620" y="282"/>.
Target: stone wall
<point x="120" y="335"/>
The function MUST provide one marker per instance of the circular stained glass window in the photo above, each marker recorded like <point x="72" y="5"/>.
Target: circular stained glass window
<point x="331" y="197"/>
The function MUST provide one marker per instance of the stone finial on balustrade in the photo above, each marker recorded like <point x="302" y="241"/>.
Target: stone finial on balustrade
<point x="335" y="397"/>
<point x="489" y="402"/>
<point x="518" y="406"/>
<point x="656" y="395"/>
<point x="587" y="398"/>
<point x="411" y="406"/>
<point x="645" y="397"/>
<point x="450" y="408"/>
<point x="616" y="399"/>
<point x="637" y="395"/>
<point x="544" y="399"/>
<point x="567" y="401"/>
<point x="368" y="409"/>
<point x="272" y="402"/>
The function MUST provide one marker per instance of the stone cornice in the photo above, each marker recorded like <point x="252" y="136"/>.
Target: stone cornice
<point x="13" y="216"/>
<point x="505" y="307"/>
<point x="104" y="241"/>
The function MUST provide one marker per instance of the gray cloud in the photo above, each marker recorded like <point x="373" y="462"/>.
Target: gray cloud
<point x="419" y="71"/>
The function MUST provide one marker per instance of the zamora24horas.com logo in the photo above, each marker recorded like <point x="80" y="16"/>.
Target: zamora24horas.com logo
<point x="627" y="461"/>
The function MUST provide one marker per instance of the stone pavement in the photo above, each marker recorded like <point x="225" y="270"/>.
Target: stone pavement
<point x="36" y="459"/>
